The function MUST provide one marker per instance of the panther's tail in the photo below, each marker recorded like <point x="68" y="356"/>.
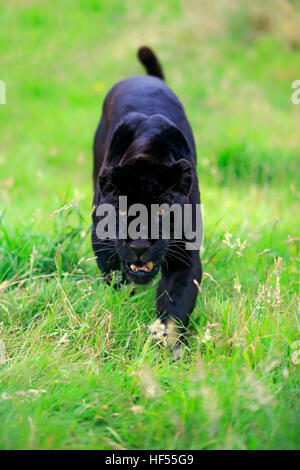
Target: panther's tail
<point x="150" y="61"/>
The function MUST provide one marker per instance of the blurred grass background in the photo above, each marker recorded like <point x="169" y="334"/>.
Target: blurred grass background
<point x="77" y="366"/>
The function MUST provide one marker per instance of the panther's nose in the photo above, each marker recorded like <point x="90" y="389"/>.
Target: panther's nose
<point x="139" y="247"/>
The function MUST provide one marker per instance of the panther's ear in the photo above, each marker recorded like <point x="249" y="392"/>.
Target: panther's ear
<point x="123" y="137"/>
<point x="181" y="174"/>
<point x="175" y="140"/>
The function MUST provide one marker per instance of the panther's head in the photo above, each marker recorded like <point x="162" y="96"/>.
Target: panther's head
<point x="153" y="178"/>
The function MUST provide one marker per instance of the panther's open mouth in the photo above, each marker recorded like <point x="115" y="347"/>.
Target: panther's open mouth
<point x="141" y="274"/>
<point x="146" y="268"/>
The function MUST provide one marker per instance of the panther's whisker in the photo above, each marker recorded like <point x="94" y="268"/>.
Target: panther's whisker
<point x="174" y="256"/>
<point x="101" y="250"/>
<point x="114" y="254"/>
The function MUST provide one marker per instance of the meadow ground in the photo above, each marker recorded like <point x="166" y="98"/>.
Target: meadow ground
<point x="77" y="366"/>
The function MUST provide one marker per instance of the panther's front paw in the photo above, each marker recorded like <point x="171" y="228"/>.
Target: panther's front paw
<point x="167" y="332"/>
<point x="158" y="329"/>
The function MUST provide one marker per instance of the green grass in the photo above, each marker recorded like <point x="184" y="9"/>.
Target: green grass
<point x="77" y="366"/>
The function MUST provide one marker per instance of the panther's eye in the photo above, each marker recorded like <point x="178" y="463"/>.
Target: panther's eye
<point x="160" y="212"/>
<point x="122" y="212"/>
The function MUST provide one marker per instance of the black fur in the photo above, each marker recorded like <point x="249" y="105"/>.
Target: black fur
<point x="150" y="61"/>
<point x="144" y="149"/>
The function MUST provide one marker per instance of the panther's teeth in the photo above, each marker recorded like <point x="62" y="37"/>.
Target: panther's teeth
<point x="149" y="266"/>
<point x="146" y="268"/>
<point x="134" y="268"/>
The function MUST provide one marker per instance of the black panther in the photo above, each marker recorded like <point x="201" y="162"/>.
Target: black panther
<point x="144" y="149"/>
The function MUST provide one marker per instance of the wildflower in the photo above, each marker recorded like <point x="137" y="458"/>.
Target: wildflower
<point x="227" y="237"/>
<point x="295" y="357"/>
<point x="136" y="409"/>
<point x="207" y="336"/>
<point x="148" y="381"/>
<point x="98" y="86"/>
<point x="2" y="352"/>
<point x="240" y="246"/>
<point x="256" y="393"/>
<point x="236" y="285"/>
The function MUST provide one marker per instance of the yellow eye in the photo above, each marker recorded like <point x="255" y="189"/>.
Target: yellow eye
<point x="122" y="212"/>
<point x="160" y="212"/>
